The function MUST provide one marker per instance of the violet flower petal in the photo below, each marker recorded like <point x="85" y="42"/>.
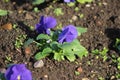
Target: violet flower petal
<point x="18" y="70"/>
<point x="67" y="1"/>
<point x="45" y="24"/>
<point x="68" y="34"/>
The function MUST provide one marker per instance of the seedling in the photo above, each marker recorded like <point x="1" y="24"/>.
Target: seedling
<point x="101" y="78"/>
<point x="118" y="63"/>
<point x="19" y="41"/>
<point x="8" y="59"/>
<point x="117" y="44"/>
<point x="76" y="9"/>
<point x="36" y="9"/>
<point x="37" y="2"/>
<point x="77" y="73"/>
<point x="118" y="76"/>
<point x="84" y="1"/>
<point x="3" y="12"/>
<point x="58" y="11"/>
<point x="81" y="15"/>
<point x="102" y="53"/>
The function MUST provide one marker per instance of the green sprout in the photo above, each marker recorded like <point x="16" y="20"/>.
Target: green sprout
<point x="101" y="78"/>
<point x="117" y="44"/>
<point x="118" y="76"/>
<point x="6" y="0"/>
<point x="3" y="12"/>
<point x="76" y="9"/>
<point x="84" y="1"/>
<point x="118" y="63"/>
<point x="77" y="73"/>
<point x="81" y="15"/>
<point x="37" y="2"/>
<point x="14" y="26"/>
<point x="58" y="11"/>
<point x="19" y="41"/>
<point x="102" y="53"/>
<point x="8" y="59"/>
<point x="36" y="9"/>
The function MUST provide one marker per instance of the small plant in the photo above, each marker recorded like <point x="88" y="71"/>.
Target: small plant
<point x="3" y="12"/>
<point x="60" y="44"/>
<point x="102" y="53"/>
<point x="118" y="63"/>
<point x="8" y="59"/>
<point x="58" y="11"/>
<point x="19" y="41"/>
<point x="117" y="44"/>
<point x="84" y="1"/>
<point x="37" y="2"/>
<point x="118" y="76"/>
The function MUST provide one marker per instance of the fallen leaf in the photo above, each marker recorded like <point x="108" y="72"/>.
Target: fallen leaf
<point x="27" y="50"/>
<point x="7" y="26"/>
<point x="79" y="69"/>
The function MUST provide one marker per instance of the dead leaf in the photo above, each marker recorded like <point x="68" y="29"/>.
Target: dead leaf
<point x="79" y="69"/>
<point x="7" y="26"/>
<point x="27" y="50"/>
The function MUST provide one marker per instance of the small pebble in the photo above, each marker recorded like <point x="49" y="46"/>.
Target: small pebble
<point x="74" y="18"/>
<point x="85" y="79"/>
<point x="46" y="76"/>
<point x="27" y="50"/>
<point x="38" y="64"/>
<point x="79" y="69"/>
<point x="104" y="3"/>
<point x="112" y="78"/>
<point x="88" y="5"/>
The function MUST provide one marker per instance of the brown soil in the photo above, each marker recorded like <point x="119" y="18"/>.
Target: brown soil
<point x="102" y="22"/>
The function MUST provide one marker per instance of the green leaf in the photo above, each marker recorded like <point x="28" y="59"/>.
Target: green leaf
<point x="59" y="56"/>
<point x="3" y="12"/>
<point x="37" y="2"/>
<point x="78" y="49"/>
<point x="47" y="50"/>
<point x="39" y="56"/>
<point x="29" y="41"/>
<point x="74" y="48"/>
<point x="81" y="30"/>
<point x="104" y="51"/>
<point x="71" y="57"/>
<point x="84" y="1"/>
<point x="43" y="36"/>
<point x="55" y="46"/>
<point x="43" y="54"/>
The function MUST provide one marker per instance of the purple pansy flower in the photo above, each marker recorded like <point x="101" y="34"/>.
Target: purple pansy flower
<point x="67" y="1"/>
<point x="68" y="34"/>
<point x="45" y="24"/>
<point x="18" y="72"/>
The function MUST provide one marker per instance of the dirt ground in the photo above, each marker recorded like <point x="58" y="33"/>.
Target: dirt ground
<point x="102" y="20"/>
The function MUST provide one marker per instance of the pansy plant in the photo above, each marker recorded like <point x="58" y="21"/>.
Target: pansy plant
<point x="61" y="44"/>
